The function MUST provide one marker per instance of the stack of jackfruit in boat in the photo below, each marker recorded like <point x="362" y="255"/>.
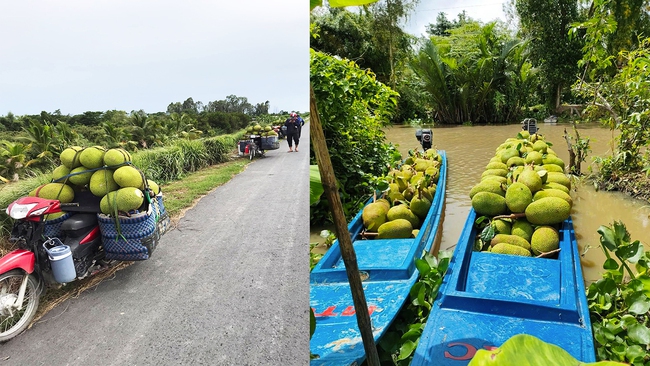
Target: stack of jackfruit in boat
<point x="524" y="193"/>
<point x="406" y="203"/>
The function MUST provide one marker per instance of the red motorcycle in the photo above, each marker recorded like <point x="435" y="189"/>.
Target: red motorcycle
<point x="41" y="260"/>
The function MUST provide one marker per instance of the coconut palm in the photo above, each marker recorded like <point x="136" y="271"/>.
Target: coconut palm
<point x="13" y="162"/>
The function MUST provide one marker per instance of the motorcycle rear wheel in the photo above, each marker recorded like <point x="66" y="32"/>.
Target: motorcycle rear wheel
<point x="14" y="324"/>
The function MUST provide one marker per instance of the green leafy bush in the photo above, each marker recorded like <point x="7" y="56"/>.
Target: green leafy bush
<point x="619" y="303"/>
<point x="353" y="107"/>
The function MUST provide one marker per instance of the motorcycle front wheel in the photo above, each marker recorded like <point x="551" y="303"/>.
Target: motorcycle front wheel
<point x="12" y="320"/>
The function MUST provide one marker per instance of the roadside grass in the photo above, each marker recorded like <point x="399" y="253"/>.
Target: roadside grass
<point x="179" y="196"/>
<point x="182" y="194"/>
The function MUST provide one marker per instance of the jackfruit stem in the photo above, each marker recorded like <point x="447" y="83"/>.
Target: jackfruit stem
<point x="546" y="254"/>
<point x="511" y="216"/>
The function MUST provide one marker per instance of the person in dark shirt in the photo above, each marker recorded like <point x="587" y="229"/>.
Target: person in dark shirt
<point x="294" y="128"/>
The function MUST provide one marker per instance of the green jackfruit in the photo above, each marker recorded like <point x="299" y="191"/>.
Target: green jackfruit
<point x="548" y="211"/>
<point x="531" y="179"/>
<point x="553" y="159"/>
<point x="504" y="248"/>
<point x="553" y="168"/>
<point x="403" y="212"/>
<point x="553" y="185"/>
<point x="515" y="161"/>
<point x="518" y="197"/>
<point x="522" y="228"/>
<point x="92" y="157"/>
<point x="384" y="202"/>
<point x="498" y="178"/>
<point x="154" y="187"/>
<point x="510" y="239"/>
<point x="129" y="198"/>
<point x="80" y="176"/>
<point x="108" y="203"/>
<point x="540" y="146"/>
<point x="128" y="176"/>
<point x="489" y="204"/>
<point x="499" y="172"/>
<point x="550" y="192"/>
<point x="116" y="157"/>
<point x="501" y="226"/>
<point x="60" y="172"/>
<point x="534" y="157"/>
<point x="488" y="185"/>
<point x="496" y="165"/>
<point x="396" y="229"/>
<point x="70" y="157"/>
<point x="408" y="193"/>
<point x="374" y="215"/>
<point x="56" y="191"/>
<point x="545" y="239"/>
<point x="508" y="153"/>
<point x="102" y="182"/>
<point x="420" y="207"/>
<point x="559" y="178"/>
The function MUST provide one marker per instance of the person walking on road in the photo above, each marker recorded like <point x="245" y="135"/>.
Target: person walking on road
<point x="294" y="128"/>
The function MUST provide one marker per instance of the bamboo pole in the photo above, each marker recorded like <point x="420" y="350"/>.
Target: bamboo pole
<point x="341" y="228"/>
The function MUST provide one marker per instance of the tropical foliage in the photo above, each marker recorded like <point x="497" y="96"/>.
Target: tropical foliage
<point x="31" y="144"/>
<point x="477" y="74"/>
<point x="619" y="303"/>
<point x="353" y="107"/>
<point x="615" y="86"/>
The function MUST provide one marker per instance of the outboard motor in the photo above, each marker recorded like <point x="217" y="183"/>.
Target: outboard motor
<point x="425" y="137"/>
<point x="530" y="125"/>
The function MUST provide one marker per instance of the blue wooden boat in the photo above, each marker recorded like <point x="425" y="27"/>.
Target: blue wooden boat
<point x="388" y="272"/>
<point x="487" y="298"/>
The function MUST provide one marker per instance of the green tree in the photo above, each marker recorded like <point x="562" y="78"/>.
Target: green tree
<point x="546" y="24"/>
<point x="477" y="74"/>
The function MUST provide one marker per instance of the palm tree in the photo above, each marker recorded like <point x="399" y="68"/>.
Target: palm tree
<point x="14" y="155"/>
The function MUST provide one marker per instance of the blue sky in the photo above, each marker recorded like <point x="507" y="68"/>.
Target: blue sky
<point x="79" y="55"/>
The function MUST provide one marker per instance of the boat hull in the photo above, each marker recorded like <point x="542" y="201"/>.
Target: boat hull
<point x="486" y="298"/>
<point x="388" y="272"/>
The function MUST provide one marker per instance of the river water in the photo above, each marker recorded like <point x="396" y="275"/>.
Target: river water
<point x="469" y="148"/>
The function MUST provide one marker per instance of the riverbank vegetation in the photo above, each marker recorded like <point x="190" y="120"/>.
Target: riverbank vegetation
<point x="578" y="61"/>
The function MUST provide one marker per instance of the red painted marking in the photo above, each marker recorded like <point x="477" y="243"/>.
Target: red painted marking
<point x="371" y="309"/>
<point x="469" y="351"/>
<point x="328" y="312"/>
<point x="349" y="311"/>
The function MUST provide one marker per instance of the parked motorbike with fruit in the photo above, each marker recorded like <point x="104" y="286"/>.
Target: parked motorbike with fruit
<point x="87" y="219"/>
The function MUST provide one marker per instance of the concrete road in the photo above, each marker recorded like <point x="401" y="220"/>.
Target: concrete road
<point x="228" y="286"/>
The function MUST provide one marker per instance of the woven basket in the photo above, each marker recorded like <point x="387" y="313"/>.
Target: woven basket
<point x="52" y="228"/>
<point x="135" y="239"/>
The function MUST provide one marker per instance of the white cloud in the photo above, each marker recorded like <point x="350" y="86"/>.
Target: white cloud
<point x="428" y="10"/>
<point x="144" y="54"/>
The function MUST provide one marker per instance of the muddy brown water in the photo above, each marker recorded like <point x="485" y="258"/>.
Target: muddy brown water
<point x="469" y="148"/>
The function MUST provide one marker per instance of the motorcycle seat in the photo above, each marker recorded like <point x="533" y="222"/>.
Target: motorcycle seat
<point x="79" y="221"/>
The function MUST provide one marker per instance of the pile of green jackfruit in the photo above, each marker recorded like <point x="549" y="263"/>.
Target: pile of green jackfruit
<point x="260" y="130"/>
<point x="401" y="209"/>
<point x="524" y="193"/>
<point x="107" y="174"/>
